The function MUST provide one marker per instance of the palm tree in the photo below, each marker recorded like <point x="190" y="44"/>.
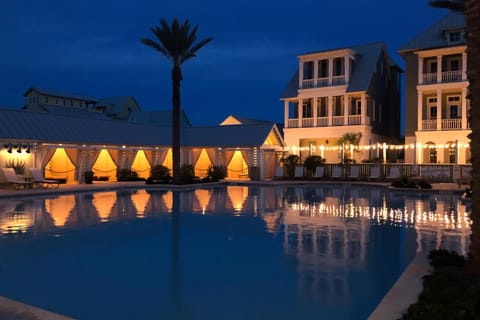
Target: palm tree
<point x="471" y="9"/>
<point x="349" y="139"/>
<point x="177" y="44"/>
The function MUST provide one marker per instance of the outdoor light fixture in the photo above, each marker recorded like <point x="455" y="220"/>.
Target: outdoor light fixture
<point x="28" y="149"/>
<point x="9" y="148"/>
<point x="19" y="150"/>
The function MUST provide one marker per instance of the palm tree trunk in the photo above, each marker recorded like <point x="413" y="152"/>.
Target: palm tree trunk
<point x="472" y="16"/>
<point x="176" y="78"/>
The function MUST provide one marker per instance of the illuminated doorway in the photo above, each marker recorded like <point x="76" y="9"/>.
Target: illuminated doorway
<point x="104" y="167"/>
<point x="203" y="164"/>
<point x="237" y="168"/>
<point x="60" y="167"/>
<point x="141" y="165"/>
<point x="168" y="162"/>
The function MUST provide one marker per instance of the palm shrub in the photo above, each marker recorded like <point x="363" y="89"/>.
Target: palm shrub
<point x="187" y="173"/>
<point x="312" y="162"/>
<point x="159" y="173"/>
<point x="290" y="163"/>
<point x="127" y="175"/>
<point x="216" y="173"/>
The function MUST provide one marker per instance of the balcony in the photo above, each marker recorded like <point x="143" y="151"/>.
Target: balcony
<point x="447" y="76"/>
<point x="318" y="122"/>
<point x="323" y="82"/>
<point x="446" y="124"/>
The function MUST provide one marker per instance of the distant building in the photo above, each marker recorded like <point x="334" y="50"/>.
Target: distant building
<point x="334" y="92"/>
<point x="436" y="124"/>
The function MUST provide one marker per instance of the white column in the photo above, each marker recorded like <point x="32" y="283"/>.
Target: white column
<point x="315" y="111"/>
<point x="300" y="75"/>
<point x="439" y="110"/>
<point x="330" y="71"/>
<point x="420" y="70"/>
<point x="464" y="66"/>
<point x="330" y="110"/>
<point x="300" y="112"/>
<point x="364" y="108"/>
<point x="347" y="69"/>
<point x="345" y="110"/>
<point x="464" y="108"/>
<point x="286" y="113"/>
<point x="315" y="73"/>
<point x="420" y="111"/>
<point x="439" y="69"/>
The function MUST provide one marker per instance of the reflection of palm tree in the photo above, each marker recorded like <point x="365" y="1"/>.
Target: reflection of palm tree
<point x="177" y="43"/>
<point x="176" y="276"/>
<point x="471" y="8"/>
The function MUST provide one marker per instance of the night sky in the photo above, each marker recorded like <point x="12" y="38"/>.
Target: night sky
<point x="93" y="48"/>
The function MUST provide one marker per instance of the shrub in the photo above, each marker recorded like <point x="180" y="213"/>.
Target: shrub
<point x="127" y="175"/>
<point x="290" y="163"/>
<point x="216" y="173"/>
<point x="187" y="173"/>
<point x="312" y="162"/>
<point x="412" y="183"/>
<point x="160" y="172"/>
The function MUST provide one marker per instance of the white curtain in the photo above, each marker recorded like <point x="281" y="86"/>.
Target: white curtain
<point x="247" y="156"/>
<point x="212" y="154"/>
<point x="73" y="155"/>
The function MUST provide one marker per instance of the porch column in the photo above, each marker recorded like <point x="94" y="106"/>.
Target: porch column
<point x="420" y="111"/>
<point x="464" y="66"/>
<point x="420" y="70"/>
<point x="300" y="112"/>
<point x="330" y="110"/>
<point x="347" y="69"/>
<point x="315" y="111"/>
<point x="439" y="109"/>
<point x="315" y="73"/>
<point x="286" y="112"/>
<point x="300" y="74"/>
<point x="330" y="71"/>
<point x="439" y="71"/>
<point x="464" y="109"/>
<point x="364" y="109"/>
<point x="345" y="110"/>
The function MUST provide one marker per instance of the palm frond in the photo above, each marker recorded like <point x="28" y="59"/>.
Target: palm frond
<point x="455" y="5"/>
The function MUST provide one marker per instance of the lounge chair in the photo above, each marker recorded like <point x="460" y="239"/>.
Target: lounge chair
<point x="319" y="171"/>
<point x="298" y="172"/>
<point x="337" y="172"/>
<point x="394" y="173"/>
<point x="13" y="180"/>
<point x="41" y="181"/>
<point x="354" y="172"/>
<point x="375" y="173"/>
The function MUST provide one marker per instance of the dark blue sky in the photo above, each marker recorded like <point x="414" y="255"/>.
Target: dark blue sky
<point x="93" y="48"/>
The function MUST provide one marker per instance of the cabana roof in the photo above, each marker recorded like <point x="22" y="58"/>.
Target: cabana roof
<point x="19" y="125"/>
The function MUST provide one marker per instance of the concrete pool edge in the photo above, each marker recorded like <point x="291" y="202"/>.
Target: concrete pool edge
<point x="22" y="311"/>
<point x="405" y="291"/>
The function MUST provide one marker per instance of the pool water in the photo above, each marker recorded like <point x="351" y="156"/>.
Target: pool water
<point x="228" y="252"/>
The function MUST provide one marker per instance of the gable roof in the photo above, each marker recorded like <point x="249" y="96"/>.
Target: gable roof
<point x="117" y="104"/>
<point x="366" y="57"/>
<point x="434" y="36"/>
<point x="66" y="111"/>
<point x="234" y="120"/>
<point x="59" y="94"/>
<point x="157" y="118"/>
<point x="53" y="128"/>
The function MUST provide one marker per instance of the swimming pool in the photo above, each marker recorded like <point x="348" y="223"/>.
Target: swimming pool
<point x="227" y="252"/>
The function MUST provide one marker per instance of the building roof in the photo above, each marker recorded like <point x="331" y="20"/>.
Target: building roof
<point x="434" y="36"/>
<point x="19" y="125"/>
<point x="366" y="58"/>
<point x="66" y="111"/>
<point x="232" y="120"/>
<point x="54" y="93"/>
<point x="117" y="104"/>
<point x="157" y="118"/>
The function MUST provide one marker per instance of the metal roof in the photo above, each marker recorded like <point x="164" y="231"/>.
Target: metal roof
<point x="67" y="111"/>
<point x="53" y="128"/>
<point x="59" y="94"/>
<point x="117" y="104"/>
<point x="157" y="118"/>
<point x="434" y="36"/>
<point x="365" y="64"/>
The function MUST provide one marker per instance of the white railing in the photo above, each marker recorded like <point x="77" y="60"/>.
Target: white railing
<point x="322" y="122"/>
<point x="292" y="123"/>
<point x="356" y="119"/>
<point x="338" y="121"/>
<point x="308" y="122"/>
<point x="322" y="82"/>
<point x="449" y="76"/>
<point x="429" y="124"/>
<point x="429" y="78"/>
<point x="451" y="124"/>
<point x="308" y="83"/>
<point x="338" y="80"/>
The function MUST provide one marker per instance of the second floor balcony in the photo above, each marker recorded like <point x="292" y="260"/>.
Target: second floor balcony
<point x="443" y="124"/>
<point x="323" y="82"/>
<point x="333" y="121"/>
<point x="446" y="76"/>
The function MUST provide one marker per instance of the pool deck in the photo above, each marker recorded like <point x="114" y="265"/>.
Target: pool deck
<point x="404" y="292"/>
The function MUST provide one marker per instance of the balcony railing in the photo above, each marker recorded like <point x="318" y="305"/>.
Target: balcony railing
<point x="429" y="78"/>
<point x="338" y="121"/>
<point x="322" y="122"/>
<point x="450" y="76"/>
<point x="292" y="123"/>
<point x="355" y="119"/>
<point x="308" y="122"/>
<point x="429" y="124"/>
<point x="451" y="124"/>
<point x="338" y="80"/>
<point x="308" y="83"/>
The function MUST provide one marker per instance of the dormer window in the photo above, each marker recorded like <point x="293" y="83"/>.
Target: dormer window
<point x="308" y="70"/>
<point x="454" y="36"/>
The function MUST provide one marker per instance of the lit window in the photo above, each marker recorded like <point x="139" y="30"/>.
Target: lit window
<point x="454" y="37"/>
